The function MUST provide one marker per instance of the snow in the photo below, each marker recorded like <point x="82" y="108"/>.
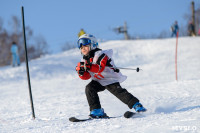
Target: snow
<point x="58" y="93"/>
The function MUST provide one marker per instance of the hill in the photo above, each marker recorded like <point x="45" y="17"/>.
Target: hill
<point x="58" y="92"/>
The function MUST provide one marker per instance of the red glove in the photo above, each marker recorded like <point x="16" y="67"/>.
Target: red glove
<point x="81" y="68"/>
<point x="83" y="74"/>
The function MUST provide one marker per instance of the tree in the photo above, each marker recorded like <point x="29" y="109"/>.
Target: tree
<point x="36" y="46"/>
<point x="68" y="46"/>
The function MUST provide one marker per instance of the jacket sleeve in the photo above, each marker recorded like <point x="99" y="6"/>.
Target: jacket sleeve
<point x="100" y="64"/>
<point x="86" y="75"/>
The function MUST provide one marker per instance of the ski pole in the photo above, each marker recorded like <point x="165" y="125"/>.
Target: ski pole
<point x="137" y="69"/>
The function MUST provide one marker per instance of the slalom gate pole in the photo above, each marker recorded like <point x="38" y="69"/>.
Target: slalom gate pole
<point x="176" y="56"/>
<point x="27" y="67"/>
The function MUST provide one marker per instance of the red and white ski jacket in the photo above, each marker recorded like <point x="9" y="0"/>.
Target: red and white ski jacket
<point x="102" y="68"/>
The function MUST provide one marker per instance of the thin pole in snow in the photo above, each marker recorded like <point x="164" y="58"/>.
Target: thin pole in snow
<point x="27" y="67"/>
<point x="176" y="56"/>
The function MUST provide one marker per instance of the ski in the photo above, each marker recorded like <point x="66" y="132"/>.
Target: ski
<point x="127" y="114"/>
<point x="74" y="119"/>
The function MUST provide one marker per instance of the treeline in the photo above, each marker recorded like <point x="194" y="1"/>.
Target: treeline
<point x="36" y="45"/>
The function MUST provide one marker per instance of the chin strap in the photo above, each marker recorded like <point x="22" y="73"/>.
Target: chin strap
<point x="85" y="65"/>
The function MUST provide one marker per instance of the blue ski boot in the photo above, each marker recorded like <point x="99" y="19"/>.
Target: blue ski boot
<point x="138" y="107"/>
<point x="98" y="113"/>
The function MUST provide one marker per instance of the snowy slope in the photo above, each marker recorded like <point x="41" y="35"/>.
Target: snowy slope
<point x="59" y="93"/>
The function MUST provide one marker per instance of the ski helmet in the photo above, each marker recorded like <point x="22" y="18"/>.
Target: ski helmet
<point x="87" y="39"/>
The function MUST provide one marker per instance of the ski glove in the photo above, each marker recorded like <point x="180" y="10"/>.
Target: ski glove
<point x="80" y="68"/>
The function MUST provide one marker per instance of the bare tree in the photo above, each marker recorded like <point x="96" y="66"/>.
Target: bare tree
<point x="68" y="46"/>
<point x="40" y="48"/>
<point x="37" y="48"/>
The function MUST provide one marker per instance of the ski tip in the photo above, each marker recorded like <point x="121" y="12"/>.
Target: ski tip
<point x="72" y="119"/>
<point x="128" y="114"/>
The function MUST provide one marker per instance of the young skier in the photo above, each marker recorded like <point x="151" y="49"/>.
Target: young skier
<point x="98" y="65"/>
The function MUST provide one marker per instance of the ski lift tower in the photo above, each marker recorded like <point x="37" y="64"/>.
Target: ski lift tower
<point x="122" y="29"/>
<point x="193" y="17"/>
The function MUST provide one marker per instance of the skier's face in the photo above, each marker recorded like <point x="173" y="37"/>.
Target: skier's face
<point x="85" y="49"/>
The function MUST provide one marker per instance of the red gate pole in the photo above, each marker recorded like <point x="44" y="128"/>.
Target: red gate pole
<point x="176" y="56"/>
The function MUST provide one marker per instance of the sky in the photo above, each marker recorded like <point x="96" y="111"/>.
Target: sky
<point x="60" y="21"/>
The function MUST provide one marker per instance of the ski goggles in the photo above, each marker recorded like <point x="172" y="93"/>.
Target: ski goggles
<point x="83" y="42"/>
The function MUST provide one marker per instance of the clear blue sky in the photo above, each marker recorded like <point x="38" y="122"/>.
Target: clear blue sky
<point x="59" y="21"/>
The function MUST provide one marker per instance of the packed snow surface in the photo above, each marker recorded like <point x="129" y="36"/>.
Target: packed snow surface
<point x="58" y="93"/>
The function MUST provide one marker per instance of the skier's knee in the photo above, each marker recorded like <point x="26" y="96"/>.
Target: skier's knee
<point x="87" y="88"/>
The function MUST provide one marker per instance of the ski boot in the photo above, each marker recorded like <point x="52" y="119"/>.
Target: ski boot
<point x="98" y="113"/>
<point x="138" y="107"/>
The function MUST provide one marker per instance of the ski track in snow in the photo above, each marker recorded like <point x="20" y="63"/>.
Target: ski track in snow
<point x="58" y="93"/>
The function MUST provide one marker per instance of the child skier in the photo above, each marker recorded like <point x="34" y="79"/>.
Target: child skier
<point x="98" y="65"/>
